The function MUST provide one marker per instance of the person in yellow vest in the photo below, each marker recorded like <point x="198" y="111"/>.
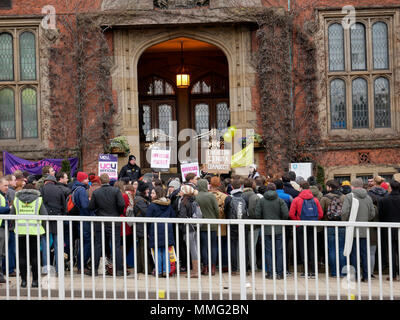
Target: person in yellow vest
<point x="4" y="209"/>
<point x="28" y="202"/>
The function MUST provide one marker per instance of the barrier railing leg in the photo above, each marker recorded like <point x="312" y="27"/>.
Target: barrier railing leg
<point x="242" y="257"/>
<point x="60" y="259"/>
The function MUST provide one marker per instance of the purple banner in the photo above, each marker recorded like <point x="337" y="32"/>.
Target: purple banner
<point x="12" y="163"/>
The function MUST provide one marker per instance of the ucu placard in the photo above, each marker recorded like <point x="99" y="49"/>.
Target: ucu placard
<point x="108" y="163"/>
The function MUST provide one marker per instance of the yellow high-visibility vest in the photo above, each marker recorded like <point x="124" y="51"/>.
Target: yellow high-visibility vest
<point x="2" y="204"/>
<point x="28" y="209"/>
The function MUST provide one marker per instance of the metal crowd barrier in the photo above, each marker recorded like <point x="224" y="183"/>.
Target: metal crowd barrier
<point x="253" y="285"/>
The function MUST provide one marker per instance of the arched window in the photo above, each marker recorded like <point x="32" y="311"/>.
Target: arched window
<point x="380" y="48"/>
<point x="29" y="113"/>
<point x="164" y="117"/>
<point x="6" y="57"/>
<point x="360" y="103"/>
<point x="210" y="84"/>
<point x="156" y="86"/>
<point x="7" y="114"/>
<point x="202" y="115"/>
<point x="336" y="47"/>
<point x="27" y="56"/>
<point x="358" y="48"/>
<point x="382" y="102"/>
<point x="338" y="104"/>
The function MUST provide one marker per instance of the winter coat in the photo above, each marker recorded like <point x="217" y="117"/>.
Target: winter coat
<point x="220" y="196"/>
<point x="316" y="193"/>
<point x="64" y="188"/>
<point x="174" y="197"/>
<point x="208" y="204"/>
<point x="285" y="197"/>
<point x="377" y="193"/>
<point x="271" y="207"/>
<point x="389" y="210"/>
<point x="5" y="209"/>
<point x="28" y="196"/>
<point x="128" y="229"/>
<point x="251" y="201"/>
<point x="140" y="210"/>
<point x="288" y="188"/>
<point x="107" y="201"/>
<point x="228" y="211"/>
<point x="297" y="204"/>
<point x="81" y="198"/>
<point x="366" y="210"/>
<point x="54" y="200"/>
<point x="160" y="208"/>
<point x="130" y="171"/>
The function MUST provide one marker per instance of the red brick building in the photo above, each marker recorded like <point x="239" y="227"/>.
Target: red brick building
<point x="78" y="73"/>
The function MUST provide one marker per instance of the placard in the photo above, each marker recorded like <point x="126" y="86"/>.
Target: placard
<point x="218" y="161"/>
<point x="192" y="167"/>
<point x="302" y="169"/>
<point x="108" y="163"/>
<point x="160" y="158"/>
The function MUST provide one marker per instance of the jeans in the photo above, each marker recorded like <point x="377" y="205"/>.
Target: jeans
<point x="52" y="243"/>
<point x="204" y="247"/>
<point x="86" y="244"/>
<point x="309" y="248"/>
<point x="332" y="250"/>
<point x="252" y="250"/>
<point x="163" y="261"/>
<point x="363" y="257"/>
<point x="278" y="254"/>
<point x="11" y="253"/>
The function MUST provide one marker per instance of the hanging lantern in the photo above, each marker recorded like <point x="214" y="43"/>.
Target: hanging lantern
<point x="182" y="77"/>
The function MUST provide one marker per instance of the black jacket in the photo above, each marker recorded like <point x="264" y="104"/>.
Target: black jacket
<point x="54" y="201"/>
<point x="140" y="210"/>
<point x="288" y="188"/>
<point x="107" y="201"/>
<point x="130" y="171"/>
<point x="377" y="193"/>
<point x="64" y="188"/>
<point x="389" y="208"/>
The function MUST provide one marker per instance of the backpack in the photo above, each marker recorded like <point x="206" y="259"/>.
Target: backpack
<point x="238" y="208"/>
<point x="309" y="210"/>
<point x="72" y="208"/>
<point x="196" y="211"/>
<point x="334" y="212"/>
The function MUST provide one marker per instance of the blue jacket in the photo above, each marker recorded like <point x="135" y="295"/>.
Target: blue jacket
<point x="81" y="198"/>
<point x="5" y="209"/>
<point x="285" y="197"/>
<point x="160" y="208"/>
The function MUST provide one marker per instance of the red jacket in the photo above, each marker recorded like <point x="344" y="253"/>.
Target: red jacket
<point x="295" y="207"/>
<point x="128" y="229"/>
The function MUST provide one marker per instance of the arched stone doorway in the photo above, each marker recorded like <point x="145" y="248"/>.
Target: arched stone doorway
<point x="129" y="45"/>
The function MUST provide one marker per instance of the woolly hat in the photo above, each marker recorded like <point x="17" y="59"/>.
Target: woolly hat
<point x="384" y="185"/>
<point x="95" y="179"/>
<point x="175" y="184"/>
<point x="132" y="157"/>
<point x="142" y="186"/>
<point x="188" y="190"/>
<point x="81" y="176"/>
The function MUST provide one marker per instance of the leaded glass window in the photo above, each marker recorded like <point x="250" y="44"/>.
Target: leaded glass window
<point x="27" y="55"/>
<point x="223" y="115"/>
<point x="211" y="83"/>
<point x="146" y="125"/>
<point x="360" y="103"/>
<point x="380" y="48"/>
<point x="358" y="49"/>
<point x="156" y="86"/>
<point x="7" y="114"/>
<point x="164" y="117"/>
<point x="6" y="57"/>
<point x="202" y="117"/>
<point x="29" y="113"/>
<point x="382" y="102"/>
<point x="338" y="104"/>
<point x="336" y="47"/>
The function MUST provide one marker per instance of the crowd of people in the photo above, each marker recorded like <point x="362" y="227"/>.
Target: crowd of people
<point x="211" y="197"/>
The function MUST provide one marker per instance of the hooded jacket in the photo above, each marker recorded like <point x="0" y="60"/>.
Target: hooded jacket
<point x="220" y="196"/>
<point x="140" y="210"/>
<point x="389" y="208"/>
<point x="107" y="201"/>
<point x="316" y="193"/>
<point x="160" y="208"/>
<point x="28" y="196"/>
<point x="366" y="209"/>
<point x="271" y="207"/>
<point x="377" y="193"/>
<point x="81" y="198"/>
<point x="251" y="201"/>
<point x="130" y="171"/>
<point x="54" y="200"/>
<point x="297" y="204"/>
<point x="285" y="197"/>
<point x="208" y="204"/>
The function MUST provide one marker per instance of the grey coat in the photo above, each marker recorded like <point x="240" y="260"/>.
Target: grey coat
<point x="366" y="209"/>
